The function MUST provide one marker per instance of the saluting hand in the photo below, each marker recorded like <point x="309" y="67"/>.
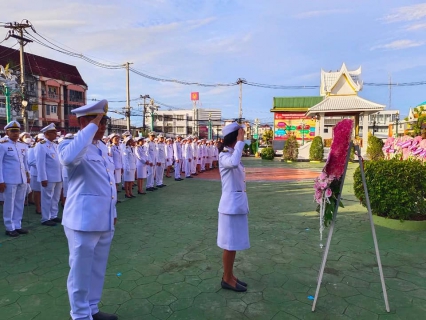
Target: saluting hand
<point x="240" y="136"/>
<point x="98" y="119"/>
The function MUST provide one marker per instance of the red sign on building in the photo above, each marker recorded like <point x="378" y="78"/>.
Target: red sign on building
<point x="195" y="96"/>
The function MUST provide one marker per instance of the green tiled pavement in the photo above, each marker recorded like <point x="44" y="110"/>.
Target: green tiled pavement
<point x="164" y="262"/>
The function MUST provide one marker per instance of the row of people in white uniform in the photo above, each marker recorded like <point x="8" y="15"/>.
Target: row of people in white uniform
<point x="151" y="157"/>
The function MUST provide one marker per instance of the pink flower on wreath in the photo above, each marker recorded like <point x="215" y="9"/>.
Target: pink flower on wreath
<point x="336" y="162"/>
<point x="318" y="196"/>
<point x="328" y="193"/>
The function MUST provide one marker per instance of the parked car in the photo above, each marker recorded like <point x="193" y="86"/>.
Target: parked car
<point x="278" y="146"/>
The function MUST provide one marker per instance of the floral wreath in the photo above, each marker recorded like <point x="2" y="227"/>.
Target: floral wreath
<point x="327" y="185"/>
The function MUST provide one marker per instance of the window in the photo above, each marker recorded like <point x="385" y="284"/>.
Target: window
<point x="168" y="117"/>
<point x="51" y="109"/>
<point x="325" y="130"/>
<point x="189" y="118"/>
<point x="180" y="130"/>
<point x="76" y="96"/>
<point x="179" y="117"/>
<point x="168" y="129"/>
<point x="189" y="129"/>
<point x="47" y="110"/>
<point x="52" y="92"/>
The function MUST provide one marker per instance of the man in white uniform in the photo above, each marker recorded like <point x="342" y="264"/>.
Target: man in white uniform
<point x="14" y="176"/>
<point x="177" y="154"/>
<point x="151" y="162"/>
<point x="49" y="174"/>
<point x="188" y="155"/>
<point x="160" y="162"/>
<point x="89" y="213"/>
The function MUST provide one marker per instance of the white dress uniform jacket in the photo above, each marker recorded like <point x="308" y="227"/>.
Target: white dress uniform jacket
<point x="129" y="164"/>
<point x="151" y="153"/>
<point x="187" y="155"/>
<point x="34" y="184"/>
<point x="92" y="195"/>
<point x="169" y="154"/>
<point x="13" y="172"/>
<point x="141" y="157"/>
<point x="234" y="196"/>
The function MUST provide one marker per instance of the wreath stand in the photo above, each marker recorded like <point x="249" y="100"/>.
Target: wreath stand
<point x="330" y="233"/>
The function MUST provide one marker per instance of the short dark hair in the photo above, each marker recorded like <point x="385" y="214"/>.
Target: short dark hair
<point x="228" y="140"/>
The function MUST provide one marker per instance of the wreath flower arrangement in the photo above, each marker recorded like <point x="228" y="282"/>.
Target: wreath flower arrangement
<point x="327" y="185"/>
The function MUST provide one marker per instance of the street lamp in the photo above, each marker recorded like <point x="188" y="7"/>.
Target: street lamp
<point x="144" y="97"/>
<point x="210" y="126"/>
<point x="256" y="123"/>
<point x="397" y="121"/>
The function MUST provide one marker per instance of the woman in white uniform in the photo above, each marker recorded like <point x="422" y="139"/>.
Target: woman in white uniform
<point x="141" y="159"/>
<point x="129" y="166"/>
<point x="233" y="232"/>
<point x="34" y="184"/>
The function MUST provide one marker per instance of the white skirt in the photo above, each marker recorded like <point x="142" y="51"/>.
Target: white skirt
<point x="129" y="176"/>
<point x="117" y="175"/>
<point x="34" y="184"/>
<point x="141" y="171"/>
<point x="233" y="233"/>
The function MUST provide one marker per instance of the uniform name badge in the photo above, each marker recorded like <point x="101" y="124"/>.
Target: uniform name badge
<point x="9" y="149"/>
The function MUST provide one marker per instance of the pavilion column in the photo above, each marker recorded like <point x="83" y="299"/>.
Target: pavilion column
<point x="321" y="124"/>
<point x="356" y="126"/>
<point x="364" y="133"/>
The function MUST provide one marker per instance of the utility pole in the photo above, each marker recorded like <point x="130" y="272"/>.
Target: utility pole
<point x="20" y="27"/>
<point x="128" y="95"/>
<point x="257" y="122"/>
<point x="144" y="97"/>
<point x="240" y="113"/>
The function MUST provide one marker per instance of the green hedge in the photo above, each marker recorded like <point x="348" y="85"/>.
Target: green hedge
<point x="397" y="189"/>
<point x="268" y="153"/>
<point x="316" y="151"/>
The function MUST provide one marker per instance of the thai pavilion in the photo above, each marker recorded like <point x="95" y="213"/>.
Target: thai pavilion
<point x="307" y="117"/>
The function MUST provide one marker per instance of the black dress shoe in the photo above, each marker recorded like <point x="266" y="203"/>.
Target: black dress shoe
<point x="12" y="234"/>
<point x="189" y="177"/>
<point x="238" y="287"/>
<point x="141" y="192"/>
<point x="159" y="186"/>
<point x="104" y="316"/>
<point x="38" y="212"/>
<point x="178" y="179"/>
<point x="154" y="188"/>
<point x="242" y="283"/>
<point x="164" y="185"/>
<point x="126" y="196"/>
<point x="22" y="231"/>
<point x="49" y="223"/>
<point x="58" y="220"/>
<point x="132" y="196"/>
<point x="149" y="189"/>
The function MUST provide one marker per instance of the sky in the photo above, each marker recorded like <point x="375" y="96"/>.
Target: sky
<point x="281" y="42"/>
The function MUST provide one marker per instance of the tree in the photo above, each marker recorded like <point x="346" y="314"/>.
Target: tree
<point x="291" y="149"/>
<point x="316" y="151"/>
<point x="268" y="136"/>
<point x="374" y="148"/>
<point x="420" y="120"/>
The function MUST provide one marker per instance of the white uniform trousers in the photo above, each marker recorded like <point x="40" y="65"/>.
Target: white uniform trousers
<point x="88" y="259"/>
<point x="178" y="167"/>
<point x="159" y="174"/>
<point x="49" y="200"/>
<point x="193" y="166"/>
<point x="203" y="164"/>
<point x="13" y="207"/>
<point x="188" y="167"/>
<point x="150" y="176"/>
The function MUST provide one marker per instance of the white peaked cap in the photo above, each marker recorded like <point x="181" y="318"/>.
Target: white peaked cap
<point x="50" y="127"/>
<point x="92" y="109"/>
<point x="13" y="125"/>
<point x="229" y="128"/>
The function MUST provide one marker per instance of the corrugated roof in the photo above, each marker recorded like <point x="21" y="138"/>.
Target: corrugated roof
<point x="422" y="104"/>
<point x="333" y="104"/>
<point x="41" y="66"/>
<point x="296" y="102"/>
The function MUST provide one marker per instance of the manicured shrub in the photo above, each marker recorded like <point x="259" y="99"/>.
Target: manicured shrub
<point x="291" y="149"/>
<point x="396" y="188"/>
<point x="316" y="151"/>
<point x="268" y="153"/>
<point x="374" y="148"/>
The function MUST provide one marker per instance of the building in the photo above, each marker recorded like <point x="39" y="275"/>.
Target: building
<point x="52" y="89"/>
<point x="290" y="117"/>
<point x="183" y="122"/>
<point x="380" y="123"/>
<point x="404" y="125"/>
<point x="340" y="90"/>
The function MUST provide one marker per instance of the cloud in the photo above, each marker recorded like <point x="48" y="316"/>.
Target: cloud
<point x="408" y="13"/>
<point x="318" y="13"/>
<point x="399" y="44"/>
<point x="415" y="27"/>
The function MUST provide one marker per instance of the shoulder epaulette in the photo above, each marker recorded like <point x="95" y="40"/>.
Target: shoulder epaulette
<point x="42" y="141"/>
